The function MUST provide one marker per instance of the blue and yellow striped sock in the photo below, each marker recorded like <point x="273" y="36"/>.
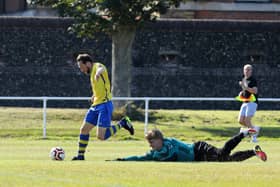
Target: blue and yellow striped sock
<point x="83" y="142"/>
<point x="111" y="131"/>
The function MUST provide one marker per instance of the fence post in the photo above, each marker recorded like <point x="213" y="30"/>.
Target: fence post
<point x="44" y="117"/>
<point x="146" y="115"/>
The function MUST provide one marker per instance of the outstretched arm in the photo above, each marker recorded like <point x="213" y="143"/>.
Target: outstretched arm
<point x="147" y="157"/>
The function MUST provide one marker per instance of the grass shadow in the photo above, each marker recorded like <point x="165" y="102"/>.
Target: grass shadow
<point x="269" y="132"/>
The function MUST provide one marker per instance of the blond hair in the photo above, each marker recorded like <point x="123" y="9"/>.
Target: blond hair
<point x="248" y="66"/>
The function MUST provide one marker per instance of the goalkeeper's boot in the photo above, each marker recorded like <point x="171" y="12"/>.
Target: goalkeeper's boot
<point x="252" y="132"/>
<point x="260" y="153"/>
<point x="248" y="132"/>
<point x="78" y="158"/>
<point x="126" y="124"/>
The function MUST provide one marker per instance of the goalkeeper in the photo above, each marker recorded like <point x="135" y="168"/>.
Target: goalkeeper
<point x="171" y="149"/>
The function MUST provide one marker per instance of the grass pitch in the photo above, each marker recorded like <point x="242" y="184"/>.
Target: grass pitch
<point x="26" y="163"/>
<point x="24" y="154"/>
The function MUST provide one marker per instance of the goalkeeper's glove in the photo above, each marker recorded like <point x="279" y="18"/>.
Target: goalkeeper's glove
<point x="120" y="159"/>
<point x="117" y="159"/>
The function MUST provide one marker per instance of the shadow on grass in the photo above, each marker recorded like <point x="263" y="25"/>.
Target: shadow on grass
<point x="269" y="132"/>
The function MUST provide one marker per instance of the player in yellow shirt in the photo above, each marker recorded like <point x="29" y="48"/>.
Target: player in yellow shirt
<point x="100" y="112"/>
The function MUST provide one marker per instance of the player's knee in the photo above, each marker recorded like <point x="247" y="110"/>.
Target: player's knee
<point x="84" y="130"/>
<point x="100" y="137"/>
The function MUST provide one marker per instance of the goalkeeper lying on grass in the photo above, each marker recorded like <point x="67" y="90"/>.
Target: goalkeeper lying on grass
<point x="171" y="149"/>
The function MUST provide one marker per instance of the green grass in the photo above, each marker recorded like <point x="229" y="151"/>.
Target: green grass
<point x="183" y="124"/>
<point x="24" y="157"/>
<point x="26" y="163"/>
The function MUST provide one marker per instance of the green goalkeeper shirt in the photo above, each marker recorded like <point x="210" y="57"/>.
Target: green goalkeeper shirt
<point x="172" y="150"/>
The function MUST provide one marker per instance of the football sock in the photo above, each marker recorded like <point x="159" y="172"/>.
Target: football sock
<point x="83" y="142"/>
<point x="242" y="155"/>
<point x="111" y="131"/>
<point x="122" y="122"/>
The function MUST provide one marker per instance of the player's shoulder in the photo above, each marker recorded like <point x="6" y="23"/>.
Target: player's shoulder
<point x="173" y="141"/>
<point x="253" y="79"/>
<point x="167" y="141"/>
<point x="97" y="64"/>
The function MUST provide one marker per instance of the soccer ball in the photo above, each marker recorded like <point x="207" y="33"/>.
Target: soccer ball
<point x="57" y="153"/>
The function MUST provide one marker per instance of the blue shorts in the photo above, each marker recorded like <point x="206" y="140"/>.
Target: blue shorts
<point x="248" y="109"/>
<point x="100" y="115"/>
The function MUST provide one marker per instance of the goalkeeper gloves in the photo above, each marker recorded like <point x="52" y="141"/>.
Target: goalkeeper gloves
<point x="117" y="159"/>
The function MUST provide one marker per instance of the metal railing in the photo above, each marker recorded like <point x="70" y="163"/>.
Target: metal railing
<point x="44" y="99"/>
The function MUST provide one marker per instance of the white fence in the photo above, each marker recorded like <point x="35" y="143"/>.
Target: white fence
<point x="145" y="99"/>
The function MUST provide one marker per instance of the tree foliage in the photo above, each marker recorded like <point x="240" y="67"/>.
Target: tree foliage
<point x="107" y="16"/>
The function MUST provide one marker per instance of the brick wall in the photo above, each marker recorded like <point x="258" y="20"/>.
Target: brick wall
<point x="209" y="61"/>
<point x="37" y="58"/>
<point x="170" y="59"/>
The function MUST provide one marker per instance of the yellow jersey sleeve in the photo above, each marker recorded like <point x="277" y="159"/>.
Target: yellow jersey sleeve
<point x="101" y="88"/>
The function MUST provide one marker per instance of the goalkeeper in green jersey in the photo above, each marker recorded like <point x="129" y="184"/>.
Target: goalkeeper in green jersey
<point x="171" y="149"/>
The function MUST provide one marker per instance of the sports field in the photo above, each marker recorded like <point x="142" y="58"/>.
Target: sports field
<point x="24" y="157"/>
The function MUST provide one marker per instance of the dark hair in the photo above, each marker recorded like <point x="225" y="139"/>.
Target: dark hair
<point x="84" y="58"/>
<point x="154" y="134"/>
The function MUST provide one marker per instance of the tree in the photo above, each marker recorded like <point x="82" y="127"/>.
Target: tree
<point x="117" y="18"/>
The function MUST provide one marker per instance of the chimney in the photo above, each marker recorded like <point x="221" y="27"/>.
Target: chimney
<point x="11" y="6"/>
